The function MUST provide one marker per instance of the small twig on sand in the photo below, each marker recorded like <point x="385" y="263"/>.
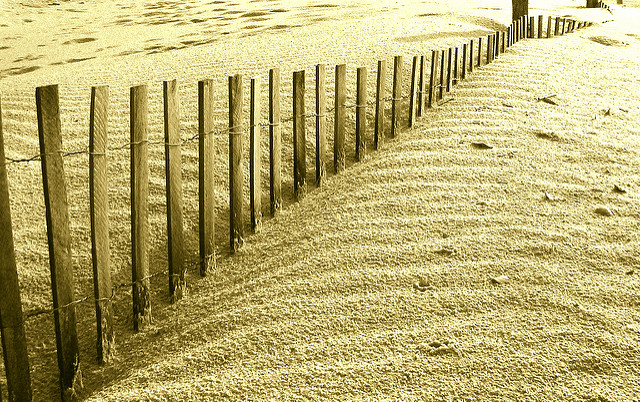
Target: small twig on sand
<point x="547" y="99"/>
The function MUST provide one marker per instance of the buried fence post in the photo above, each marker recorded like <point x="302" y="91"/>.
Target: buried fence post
<point x="340" y="116"/>
<point x="140" y="208"/>
<point x="255" y="156"/>
<point x="275" y="156"/>
<point x="361" y="113"/>
<point x="14" y="341"/>
<point x="321" y="124"/>
<point x="299" y="136"/>
<point x="396" y="96"/>
<point x="173" y="169"/>
<point x="236" y="175"/>
<point x="206" y="201"/>
<point x="380" y="92"/>
<point x="99" y="211"/>
<point x="59" y="238"/>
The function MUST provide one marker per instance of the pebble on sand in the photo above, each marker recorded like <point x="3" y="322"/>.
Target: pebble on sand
<point x="604" y="211"/>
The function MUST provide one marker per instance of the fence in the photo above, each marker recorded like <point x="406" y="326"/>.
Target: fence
<point x="446" y="68"/>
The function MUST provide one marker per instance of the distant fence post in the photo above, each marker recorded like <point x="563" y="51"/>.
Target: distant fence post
<point x="140" y="207"/>
<point x="340" y="116"/>
<point x="206" y="201"/>
<point x="99" y="211"/>
<point x="255" y="156"/>
<point x="173" y="177"/>
<point x="299" y="136"/>
<point x="412" y="91"/>
<point x="463" y="71"/>
<point x="471" y="56"/>
<point x="14" y="341"/>
<point x="421" y="86"/>
<point x="321" y="124"/>
<point x="540" y="26"/>
<point x="361" y="113"/>
<point x="236" y="175"/>
<point x="432" y="78"/>
<point x="449" y="66"/>
<point x="381" y="82"/>
<point x="396" y="96"/>
<point x="275" y="152"/>
<point x="442" y="86"/>
<point x="455" y="66"/>
<point x="59" y="238"/>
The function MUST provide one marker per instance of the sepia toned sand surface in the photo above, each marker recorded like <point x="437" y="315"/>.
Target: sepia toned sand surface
<point x="322" y="303"/>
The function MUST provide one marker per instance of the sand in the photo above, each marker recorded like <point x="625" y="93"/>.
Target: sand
<point x="322" y="304"/>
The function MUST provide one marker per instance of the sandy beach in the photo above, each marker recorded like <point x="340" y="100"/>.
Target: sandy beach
<point x="322" y="304"/>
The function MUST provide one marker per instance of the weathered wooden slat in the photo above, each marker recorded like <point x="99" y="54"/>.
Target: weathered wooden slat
<point x="455" y="65"/>
<point x="413" y="91"/>
<point x="557" y="30"/>
<point x="99" y="215"/>
<point x="236" y="174"/>
<point x="206" y="200"/>
<point x="381" y="82"/>
<point x="432" y="78"/>
<point x="275" y="147"/>
<point x="471" y="56"/>
<point x="463" y="70"/>
<point x="549" y="27"/>
<point x="255" y="156"/>
<point x="14" y="342"/>
<point x="321" y="124"/>
<point x="361" y="113"/>
<point x="340" y="111"/>
<point x="540" y="26"/>
<point x="140" y="207"/>
<point x="173" y="177"/>
<point x="59" y="238"/>
<point x="449" y="67"/>
<point x="479" y="52"/>
<point x="299" y="136"/>
<point x="442" y="85"/>
<point x="396" y="95"/>
<point x="420" y="102"/>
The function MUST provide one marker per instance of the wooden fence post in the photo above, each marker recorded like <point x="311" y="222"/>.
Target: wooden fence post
<point x="380" y="93"/>
<point x="99" y="211"/>
<point x="361" y="114"/>
<point x="421" y="86"/>
<point x="479" y="52"/>
<point x="432" y="79"/>
<point x="140" y="207"/>
<point x="496" y="47"/>
<point x="321" y="124"/>
<point x="532" y="27"/>
<point x="442" y="70"/>
<point x="396" y="96"/>
<point x="557" y="30"/>
<point x="449" y="66"/>
<point x="14" y="341"/>
<point x="463" y="71"/>
<point x="340" y="111"/>
<point x="173" y="177"/>
<point x="206" y="201"/>
<point x="540" y="26"/>
<point x="455" y="66"/>
<point x="471" y="56"/>
<point x="562" y="26"/>
<point x="489" y="48"/>
<point x="504" y="41"/>
<point x="236" y="175"/>
<point x="275" y="147"/>
<point x="255" y="156"/>
<point x="412" y="91"/>
<point x="59" y="238"/>
<point x="299" y="136"/>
